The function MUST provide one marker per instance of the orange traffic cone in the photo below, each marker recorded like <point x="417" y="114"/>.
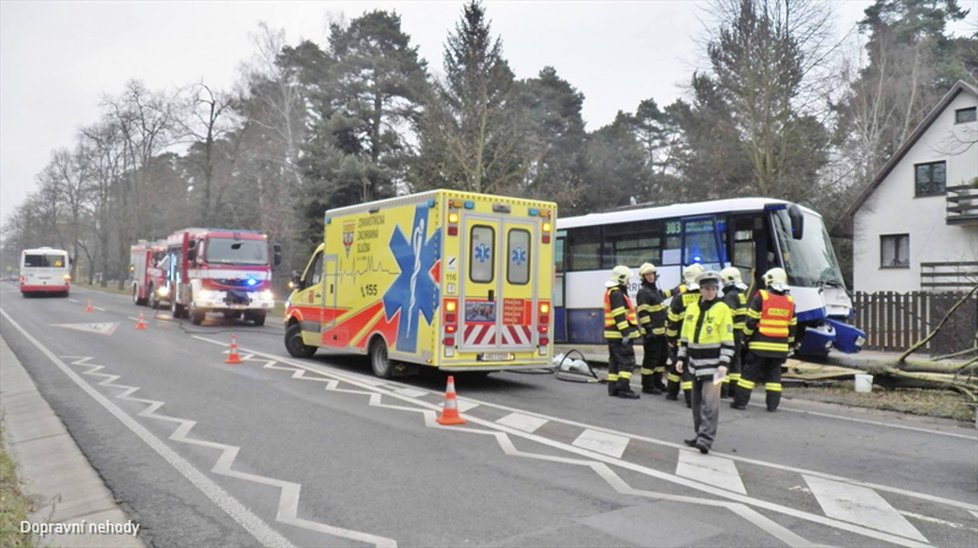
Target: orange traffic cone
<point x="141" y="323"/>
<point x="88" y="305"/>
<point x="233" y="356"/>
<point x="449" y="412"/>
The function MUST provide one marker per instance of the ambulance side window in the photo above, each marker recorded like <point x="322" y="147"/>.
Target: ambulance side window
<point x="518" y="257"/>
<point x="315" y="273"/>
<point x="482" y="254"/>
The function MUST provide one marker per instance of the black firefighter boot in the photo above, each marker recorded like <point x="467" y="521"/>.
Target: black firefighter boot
<point x="625" y="390"/>
<point x="613" y="386"/>
<point x="651" y="384"/>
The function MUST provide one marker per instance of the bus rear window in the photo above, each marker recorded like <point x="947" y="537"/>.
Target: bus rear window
<point x="44" y="261"/>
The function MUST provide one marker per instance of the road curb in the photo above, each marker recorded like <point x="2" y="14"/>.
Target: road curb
<point x="67" y="492"/>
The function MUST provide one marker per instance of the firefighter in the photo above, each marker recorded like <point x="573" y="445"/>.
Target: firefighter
<point x="620" y="332"/>
<point x="652" y="327"/>
<point x="735" y="296"/>
<point x="770" y="334"/>
<point x="706" y="346"/>
<point x="688" y="293"/>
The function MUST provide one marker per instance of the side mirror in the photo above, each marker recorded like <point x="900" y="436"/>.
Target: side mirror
<point x="276" y="254"/>
<point x="296" y="282"/>
<point x="797" y="221"/>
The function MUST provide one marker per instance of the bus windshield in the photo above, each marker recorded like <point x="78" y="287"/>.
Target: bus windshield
<point x="809" y="261"/>
<point x="231" y="251"/>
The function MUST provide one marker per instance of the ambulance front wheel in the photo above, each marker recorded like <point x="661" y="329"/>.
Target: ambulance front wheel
<point x="379" y="360"/>
<point x="294" y="344"/>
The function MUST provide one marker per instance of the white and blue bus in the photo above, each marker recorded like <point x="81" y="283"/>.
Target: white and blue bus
<point x="752" y="234"/>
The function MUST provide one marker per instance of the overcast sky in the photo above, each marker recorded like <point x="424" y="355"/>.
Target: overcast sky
<point x="57" y="59"/>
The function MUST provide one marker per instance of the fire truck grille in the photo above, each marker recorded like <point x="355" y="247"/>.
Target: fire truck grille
<point x="233" y="283"/>
<point x="237" y="297"/>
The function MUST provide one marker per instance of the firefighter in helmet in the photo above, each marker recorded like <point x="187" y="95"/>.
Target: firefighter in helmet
<point x="770" y="333"/>
<point x="652" y="326"/>
<point x="706" y="346"/>
<point x="688" y="293"/>
<point x="620" y="332"/>
<point x="734" y="294"/>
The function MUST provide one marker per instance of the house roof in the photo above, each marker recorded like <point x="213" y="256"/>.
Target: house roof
<point x="921" y="128"/>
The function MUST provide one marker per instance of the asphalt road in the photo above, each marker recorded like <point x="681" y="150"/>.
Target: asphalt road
<point x="278" y="451"/>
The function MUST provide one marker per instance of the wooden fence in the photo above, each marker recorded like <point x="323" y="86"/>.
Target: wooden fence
<point x="895" y="321"/>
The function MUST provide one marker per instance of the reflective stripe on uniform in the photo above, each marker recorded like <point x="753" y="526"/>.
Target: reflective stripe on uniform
<point x="772" y="387"/>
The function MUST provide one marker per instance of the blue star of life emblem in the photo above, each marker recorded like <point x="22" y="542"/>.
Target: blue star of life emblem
<point x="414" y="291"/>
<point x="518" y="256"/>
<point x="482" y="253"/>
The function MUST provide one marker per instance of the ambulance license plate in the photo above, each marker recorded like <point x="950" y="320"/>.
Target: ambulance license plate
<point x="496" y="357"/>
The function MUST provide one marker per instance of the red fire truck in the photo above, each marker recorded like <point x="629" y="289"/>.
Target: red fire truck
<point x="148" y="279"/>
<point x="219" y="270"/>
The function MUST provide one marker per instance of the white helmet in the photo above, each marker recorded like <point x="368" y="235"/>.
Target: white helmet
<point x="619" y="275"/>
<point x="645" y="269"/>
<point x="730" y="275"/>
<point x="776" y="278"/>
<point x="691" y="272"/>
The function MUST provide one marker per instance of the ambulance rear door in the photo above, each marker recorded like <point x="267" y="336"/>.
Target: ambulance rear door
<point x="498" y="285"/>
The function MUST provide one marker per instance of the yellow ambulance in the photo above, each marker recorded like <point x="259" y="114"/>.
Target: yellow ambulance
<point x="446" y="279"/>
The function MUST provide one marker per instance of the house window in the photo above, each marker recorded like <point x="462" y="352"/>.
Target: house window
<point x="963" y="115"/>
<point x="895" y="251"/>
<point x="930" y="178"/>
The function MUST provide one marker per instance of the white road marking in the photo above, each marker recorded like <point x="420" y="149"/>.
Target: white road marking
<point x="264" y="534"/>
<point x="736" y="502"/>
<point x="464" y="404"/>
<point x="860" y="505"/>
<point x="945" y="523"/>
<point x="876" y="423"/>
<point x="519" y="421"/>
<point x="602" y="442"/>
<point x="409" y="392"/>
<point x="288" y="491"/>
<point x="106" y="329"/>
<point x="710" y="469"/>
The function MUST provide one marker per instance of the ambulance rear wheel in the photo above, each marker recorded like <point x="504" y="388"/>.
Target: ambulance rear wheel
<point x="294" y="344"/>
<point x="379" y="360"/>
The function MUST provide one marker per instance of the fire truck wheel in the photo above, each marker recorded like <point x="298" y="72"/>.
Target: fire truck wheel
<point x="135" y="296"/>
<point x="294" y="344"/>
<point x="379" y="360"/>
<point x="154" y="302"/>
<point x="257" y="317"/>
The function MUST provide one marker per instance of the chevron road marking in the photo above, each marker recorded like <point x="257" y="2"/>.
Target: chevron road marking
<point x="519" y="421"/>
<point x="712" y="470"/>
<point x="602" y="442"/>
<point x="860" y="505"/>
<point x="106" y="329"/>
<point x="375" y="395"/>
<point x="264" y="534"/>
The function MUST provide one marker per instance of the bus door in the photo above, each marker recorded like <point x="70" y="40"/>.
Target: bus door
<point x="745" y="234"/>
<point x="702" y="243"/>
<point x="560" y="322"/>
<point x="498" y="287"/>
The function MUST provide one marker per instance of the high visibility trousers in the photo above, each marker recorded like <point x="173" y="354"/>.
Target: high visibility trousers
<point x="760" y="369"/>
<point x="654" y="363"/>
<point x="621" y="363"/>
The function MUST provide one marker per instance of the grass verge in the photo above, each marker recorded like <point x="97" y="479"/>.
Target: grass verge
<point x="15" y="507"/>
<point x="916" y="401"/>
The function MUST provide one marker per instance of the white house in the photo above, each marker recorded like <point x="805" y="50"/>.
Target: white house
<point x="915" y="227"/>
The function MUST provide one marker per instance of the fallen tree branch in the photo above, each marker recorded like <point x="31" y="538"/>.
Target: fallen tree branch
<point x="956" y="354"/>
<point x="920" y="344"/>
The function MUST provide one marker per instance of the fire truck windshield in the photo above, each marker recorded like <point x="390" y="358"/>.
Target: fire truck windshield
<point x="231" y="251"/>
